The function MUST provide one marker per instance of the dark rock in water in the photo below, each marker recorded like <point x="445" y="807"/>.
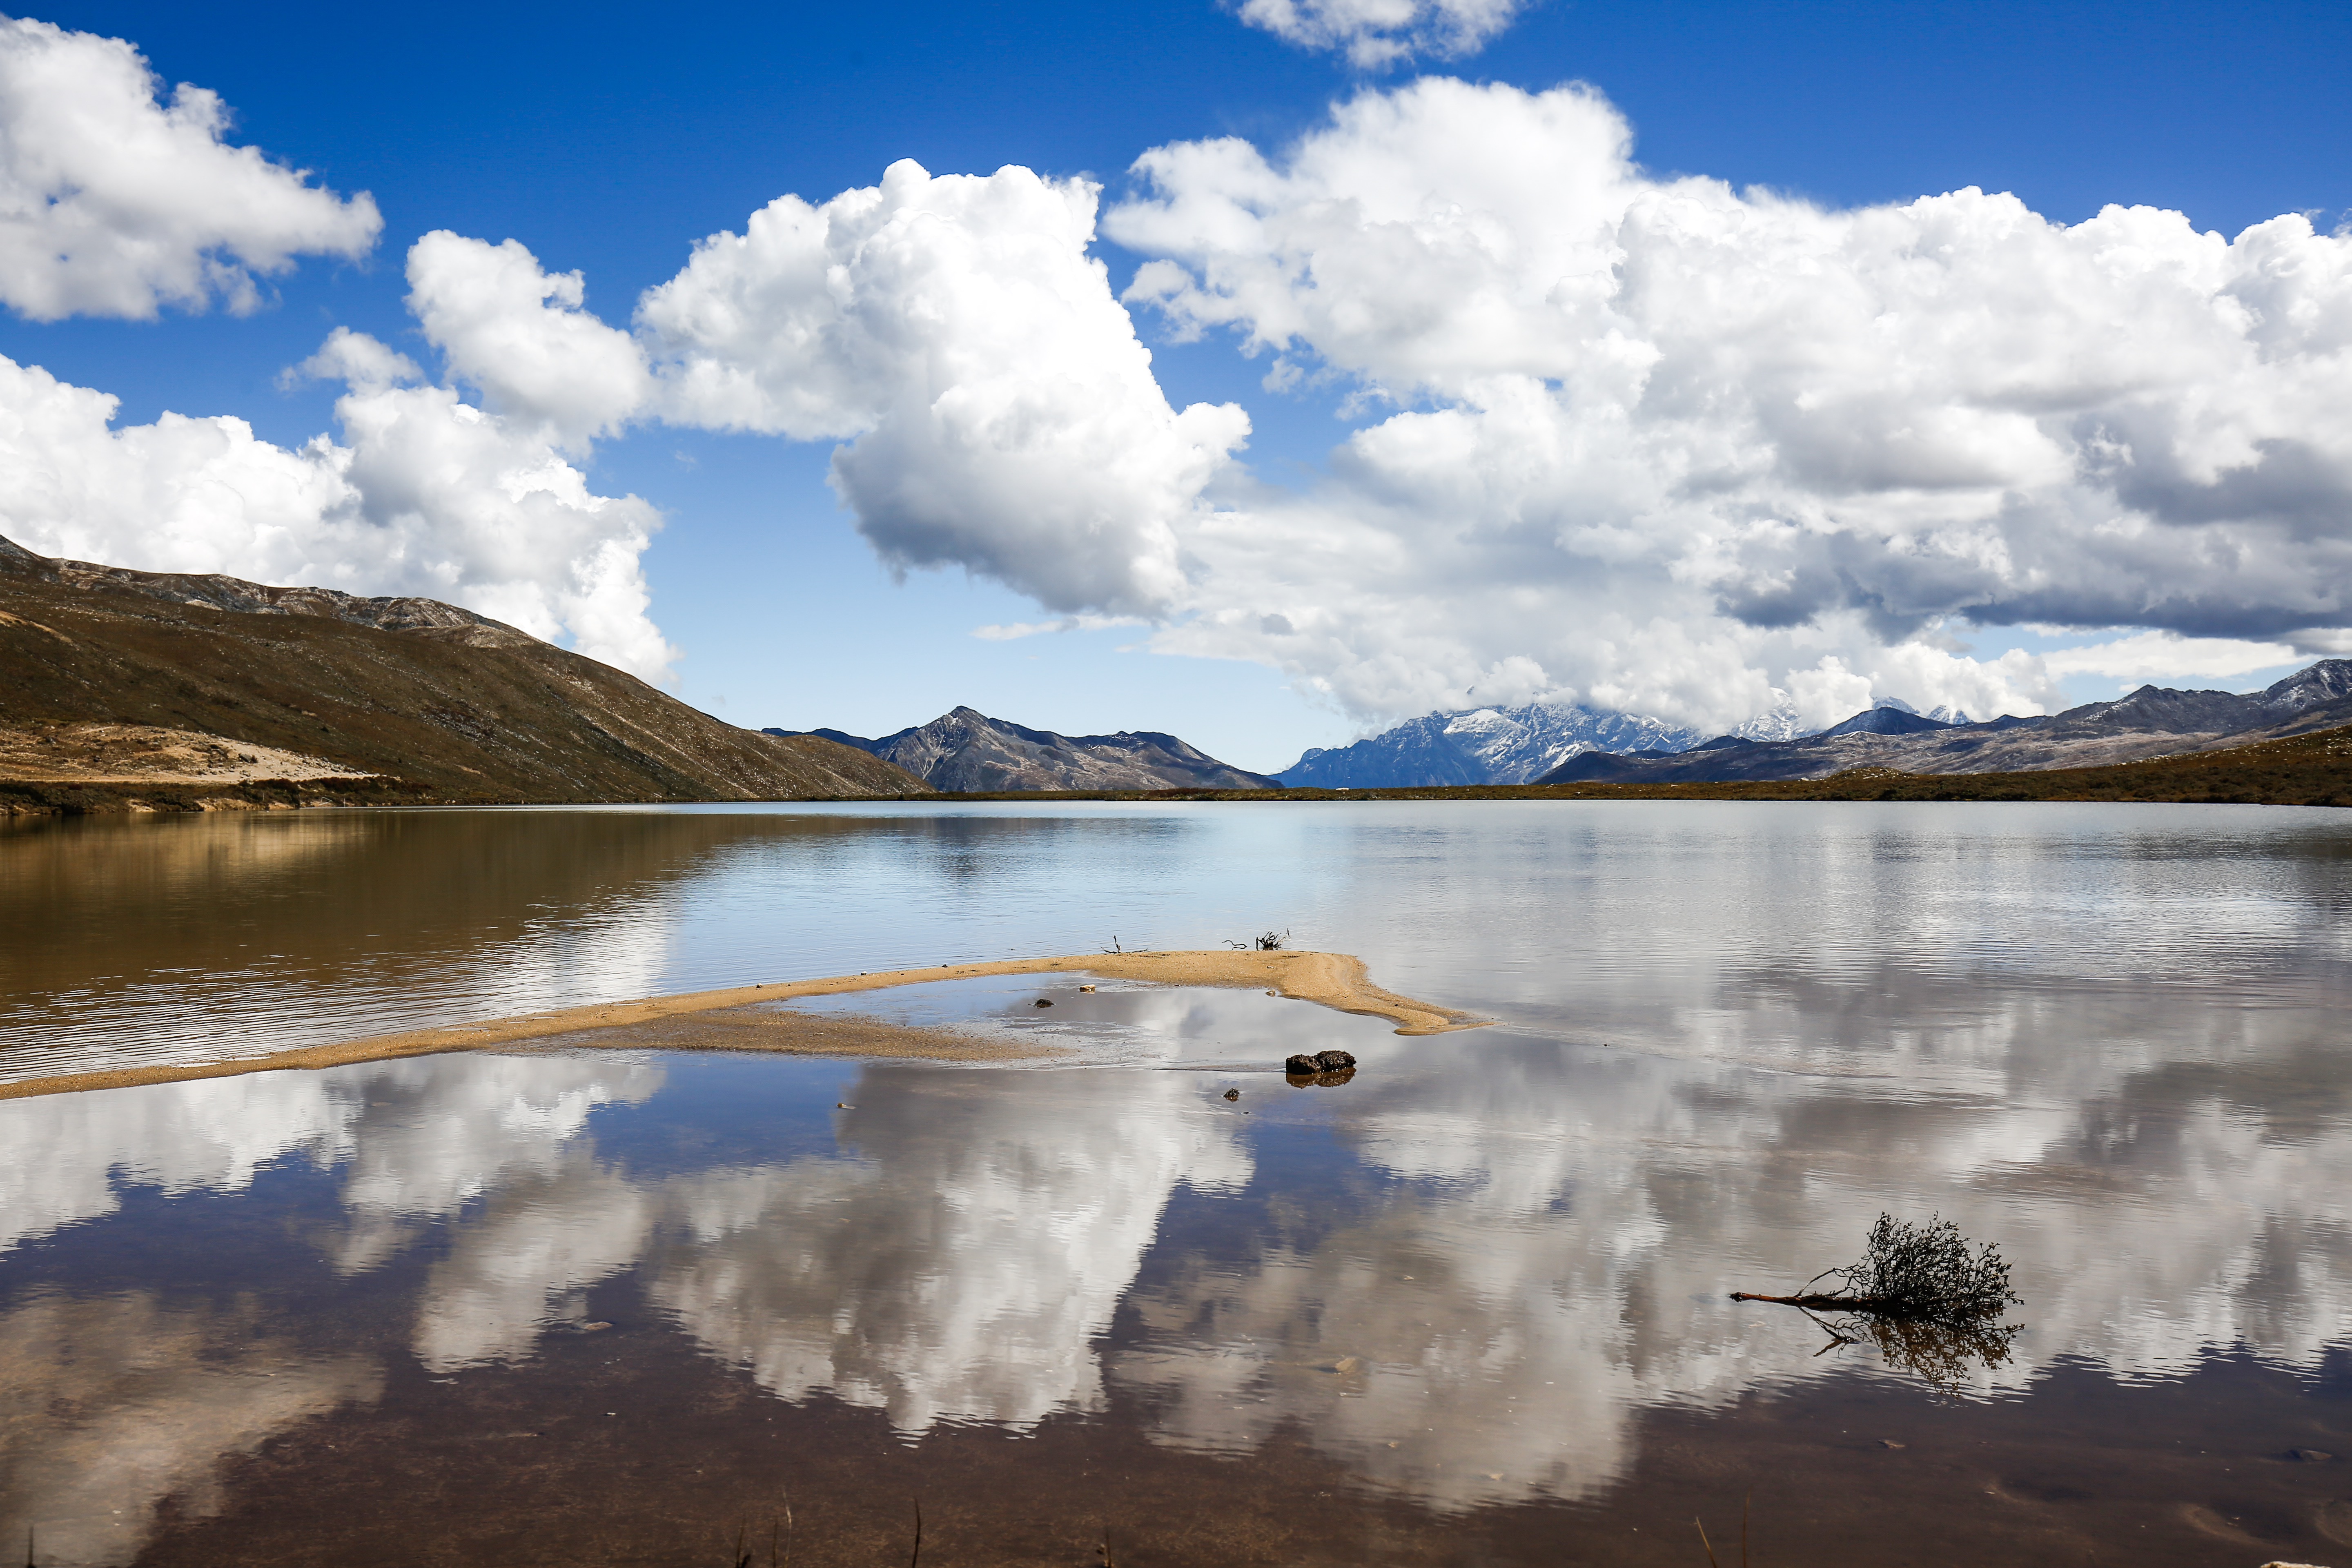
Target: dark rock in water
<point x="1043" y="1003"/>
<point x="1327" y="1069"/>
<point x="2308" y="1455"/>
<point x="1232" y="1094"/>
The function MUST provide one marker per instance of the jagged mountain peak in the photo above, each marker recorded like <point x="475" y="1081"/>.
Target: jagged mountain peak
<point x="964" y="751"/>
<point x="2329" y="680"/>
<point x="1482" y="745"/>
<point x="1781" y="721"/>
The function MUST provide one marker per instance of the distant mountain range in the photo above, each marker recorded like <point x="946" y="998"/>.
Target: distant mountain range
<point x="180" y="692"/>
<point x="1482" y="745"/>
<point x="2152" y="722"/>
<point x="965" y="752"/>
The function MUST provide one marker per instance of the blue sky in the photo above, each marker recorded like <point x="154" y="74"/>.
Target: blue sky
<point x="608" y="140"/>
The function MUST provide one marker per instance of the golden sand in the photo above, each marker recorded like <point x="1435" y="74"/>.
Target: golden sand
<point x="727" y="1020"/>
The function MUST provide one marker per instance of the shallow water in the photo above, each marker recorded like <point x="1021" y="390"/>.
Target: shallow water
<point x="1470" y="1307"/>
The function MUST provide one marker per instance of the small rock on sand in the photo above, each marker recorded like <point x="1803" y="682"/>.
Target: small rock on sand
<point x="1043" y="1003"/>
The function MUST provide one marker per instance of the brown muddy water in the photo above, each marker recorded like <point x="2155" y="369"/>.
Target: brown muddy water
<point x="569" y="1306"/>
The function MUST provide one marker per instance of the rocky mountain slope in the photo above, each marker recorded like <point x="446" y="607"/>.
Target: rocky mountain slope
<point x="968" y="751"/>
<point x="1482" y="745"/>
<point x="2152" y="722"/>
<point x="202" y="689"/>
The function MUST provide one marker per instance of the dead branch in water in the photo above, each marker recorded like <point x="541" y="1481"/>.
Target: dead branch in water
<point x="1922" y="1272"/>
<point x="1929" y="1304"/>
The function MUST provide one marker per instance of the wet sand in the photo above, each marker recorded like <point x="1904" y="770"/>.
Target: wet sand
<point x="735" y="1018"/>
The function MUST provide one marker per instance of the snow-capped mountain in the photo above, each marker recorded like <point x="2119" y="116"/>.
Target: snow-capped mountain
<point x="1780" y="722"/>
<point x="1483" y="745"/>
<point x="1777" y="722"/>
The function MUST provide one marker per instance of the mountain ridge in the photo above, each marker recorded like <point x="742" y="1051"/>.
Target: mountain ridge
<point x="1480" y="745"/>
<point x="964" y="751"/>
<point x="2151" y="721"/>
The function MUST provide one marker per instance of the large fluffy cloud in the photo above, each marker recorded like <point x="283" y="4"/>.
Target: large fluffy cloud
<point x="1005" y="417"/>
<point x="1664" y="443"/>
<point x="113" y="204"/>
<point x="524" y="336"/>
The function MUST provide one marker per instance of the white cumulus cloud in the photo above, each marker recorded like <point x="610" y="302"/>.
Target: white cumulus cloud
<point x="1666" y="445"/>
<point x="1375" y="33"/>
<point x="524" y="336"/>
<point x="1004" y="415"/>
<point x="114" y="203"/>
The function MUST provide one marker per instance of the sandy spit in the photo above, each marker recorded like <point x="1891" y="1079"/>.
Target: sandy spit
<point x="724" y="1019"/>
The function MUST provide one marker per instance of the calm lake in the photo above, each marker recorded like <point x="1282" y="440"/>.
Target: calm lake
<point x="552" y="1306"/>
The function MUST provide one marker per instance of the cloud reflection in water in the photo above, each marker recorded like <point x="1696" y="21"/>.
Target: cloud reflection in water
<point x="1510" y="1250"/>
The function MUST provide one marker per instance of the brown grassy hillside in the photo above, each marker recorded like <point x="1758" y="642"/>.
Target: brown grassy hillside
<point x="119" y="686"/>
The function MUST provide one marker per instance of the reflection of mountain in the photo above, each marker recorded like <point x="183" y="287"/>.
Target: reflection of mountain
<point x="231" y="932"/>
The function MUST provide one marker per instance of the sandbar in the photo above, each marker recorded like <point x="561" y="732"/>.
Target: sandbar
<point x="732" y="1019"/>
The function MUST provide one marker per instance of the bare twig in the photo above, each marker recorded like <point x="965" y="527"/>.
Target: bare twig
<point x="1703" y="1540"/>
<point x="916" y="1560"/>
